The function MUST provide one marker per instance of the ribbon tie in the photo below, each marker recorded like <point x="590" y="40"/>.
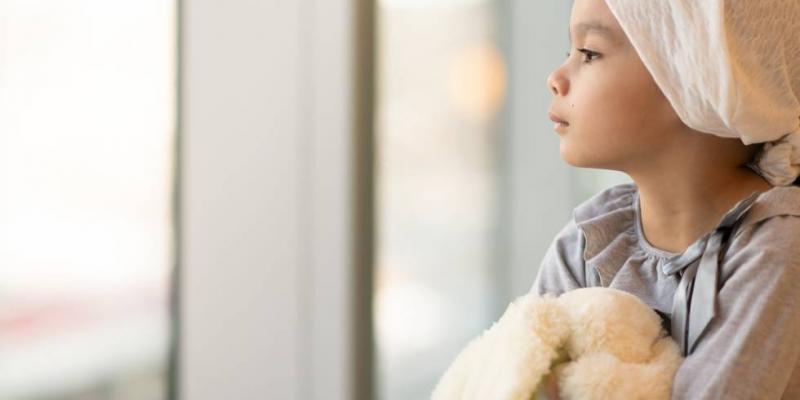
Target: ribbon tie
<point x="695" y="302"/>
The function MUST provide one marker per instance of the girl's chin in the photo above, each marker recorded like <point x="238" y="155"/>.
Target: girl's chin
<point x="575" y="159"/>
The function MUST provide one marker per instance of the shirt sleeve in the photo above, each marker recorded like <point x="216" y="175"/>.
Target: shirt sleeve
<point x="562" y="268"/>
<point x="751" y="347"/>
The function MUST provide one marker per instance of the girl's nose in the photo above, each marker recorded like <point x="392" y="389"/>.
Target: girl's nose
<point x="556" y="85"/>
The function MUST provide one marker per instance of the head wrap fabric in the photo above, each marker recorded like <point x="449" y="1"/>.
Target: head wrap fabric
<point x="729" y="68"/>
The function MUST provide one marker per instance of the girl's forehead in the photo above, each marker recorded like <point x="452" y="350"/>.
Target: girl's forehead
<point x="591" y="26"/>
<point x="595" y="27"/>
<point x="593" y="17"/>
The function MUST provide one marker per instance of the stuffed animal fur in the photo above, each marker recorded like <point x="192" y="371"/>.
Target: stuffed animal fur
<point x="597" y="343"/>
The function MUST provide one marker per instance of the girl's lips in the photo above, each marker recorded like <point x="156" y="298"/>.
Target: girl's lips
<point x="555" y="118"/>
<point x="560" y="124"/>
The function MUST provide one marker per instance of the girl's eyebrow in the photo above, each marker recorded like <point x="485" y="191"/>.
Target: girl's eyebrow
<point x="594" y="26"/>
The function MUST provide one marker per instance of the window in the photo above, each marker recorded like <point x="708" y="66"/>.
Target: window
<point x="441" y="80"/>
<point x="87" y="116"/>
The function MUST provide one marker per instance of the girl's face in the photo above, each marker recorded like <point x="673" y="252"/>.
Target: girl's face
<point x="615" y="111"/>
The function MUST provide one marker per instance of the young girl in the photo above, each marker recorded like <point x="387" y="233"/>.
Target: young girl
<point x="699" y="103"/>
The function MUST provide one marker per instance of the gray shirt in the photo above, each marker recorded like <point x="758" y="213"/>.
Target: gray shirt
<point x="751" y="349"/>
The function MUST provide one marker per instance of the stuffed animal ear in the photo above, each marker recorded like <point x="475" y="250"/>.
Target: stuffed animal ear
<point x="603" y="376"/>
<point x="509" y="360"/>
<point x="610" y="321"/>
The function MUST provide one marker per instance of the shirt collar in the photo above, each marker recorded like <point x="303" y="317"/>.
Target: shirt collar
<point x="607" y="221"/>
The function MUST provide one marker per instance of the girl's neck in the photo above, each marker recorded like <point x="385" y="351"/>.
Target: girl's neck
<point x="674" y="215"/>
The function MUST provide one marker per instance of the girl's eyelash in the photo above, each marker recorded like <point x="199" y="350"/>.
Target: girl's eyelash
<point x="588" y="53"/>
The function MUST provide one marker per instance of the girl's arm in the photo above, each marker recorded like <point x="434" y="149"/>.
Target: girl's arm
<point x="751" y="348"/>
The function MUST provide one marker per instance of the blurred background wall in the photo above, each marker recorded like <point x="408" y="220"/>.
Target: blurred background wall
<point x="270" y="200"/>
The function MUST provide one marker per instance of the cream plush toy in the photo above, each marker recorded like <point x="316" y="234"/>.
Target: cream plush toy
<point x="597" y="343"/>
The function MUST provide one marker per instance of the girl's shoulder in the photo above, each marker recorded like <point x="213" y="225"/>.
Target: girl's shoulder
<point x="780" y="201"/>
<point x="615" y="199"/>
<point x="773" y="219"/>
<point x="768" y="236"/>
<point x="570" y="258"/>
<point x="605" y="217"/>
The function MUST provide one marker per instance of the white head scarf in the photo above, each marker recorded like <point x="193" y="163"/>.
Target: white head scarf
<point x="728" y="67"/>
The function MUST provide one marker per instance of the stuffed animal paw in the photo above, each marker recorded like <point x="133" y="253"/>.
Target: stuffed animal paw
<point x="596" y="343"/>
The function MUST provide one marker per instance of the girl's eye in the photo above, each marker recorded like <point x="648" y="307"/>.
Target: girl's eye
<point x="588" y="54"/>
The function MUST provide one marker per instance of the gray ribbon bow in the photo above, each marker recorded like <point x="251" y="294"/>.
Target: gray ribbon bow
<point x="695" y="301"/>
